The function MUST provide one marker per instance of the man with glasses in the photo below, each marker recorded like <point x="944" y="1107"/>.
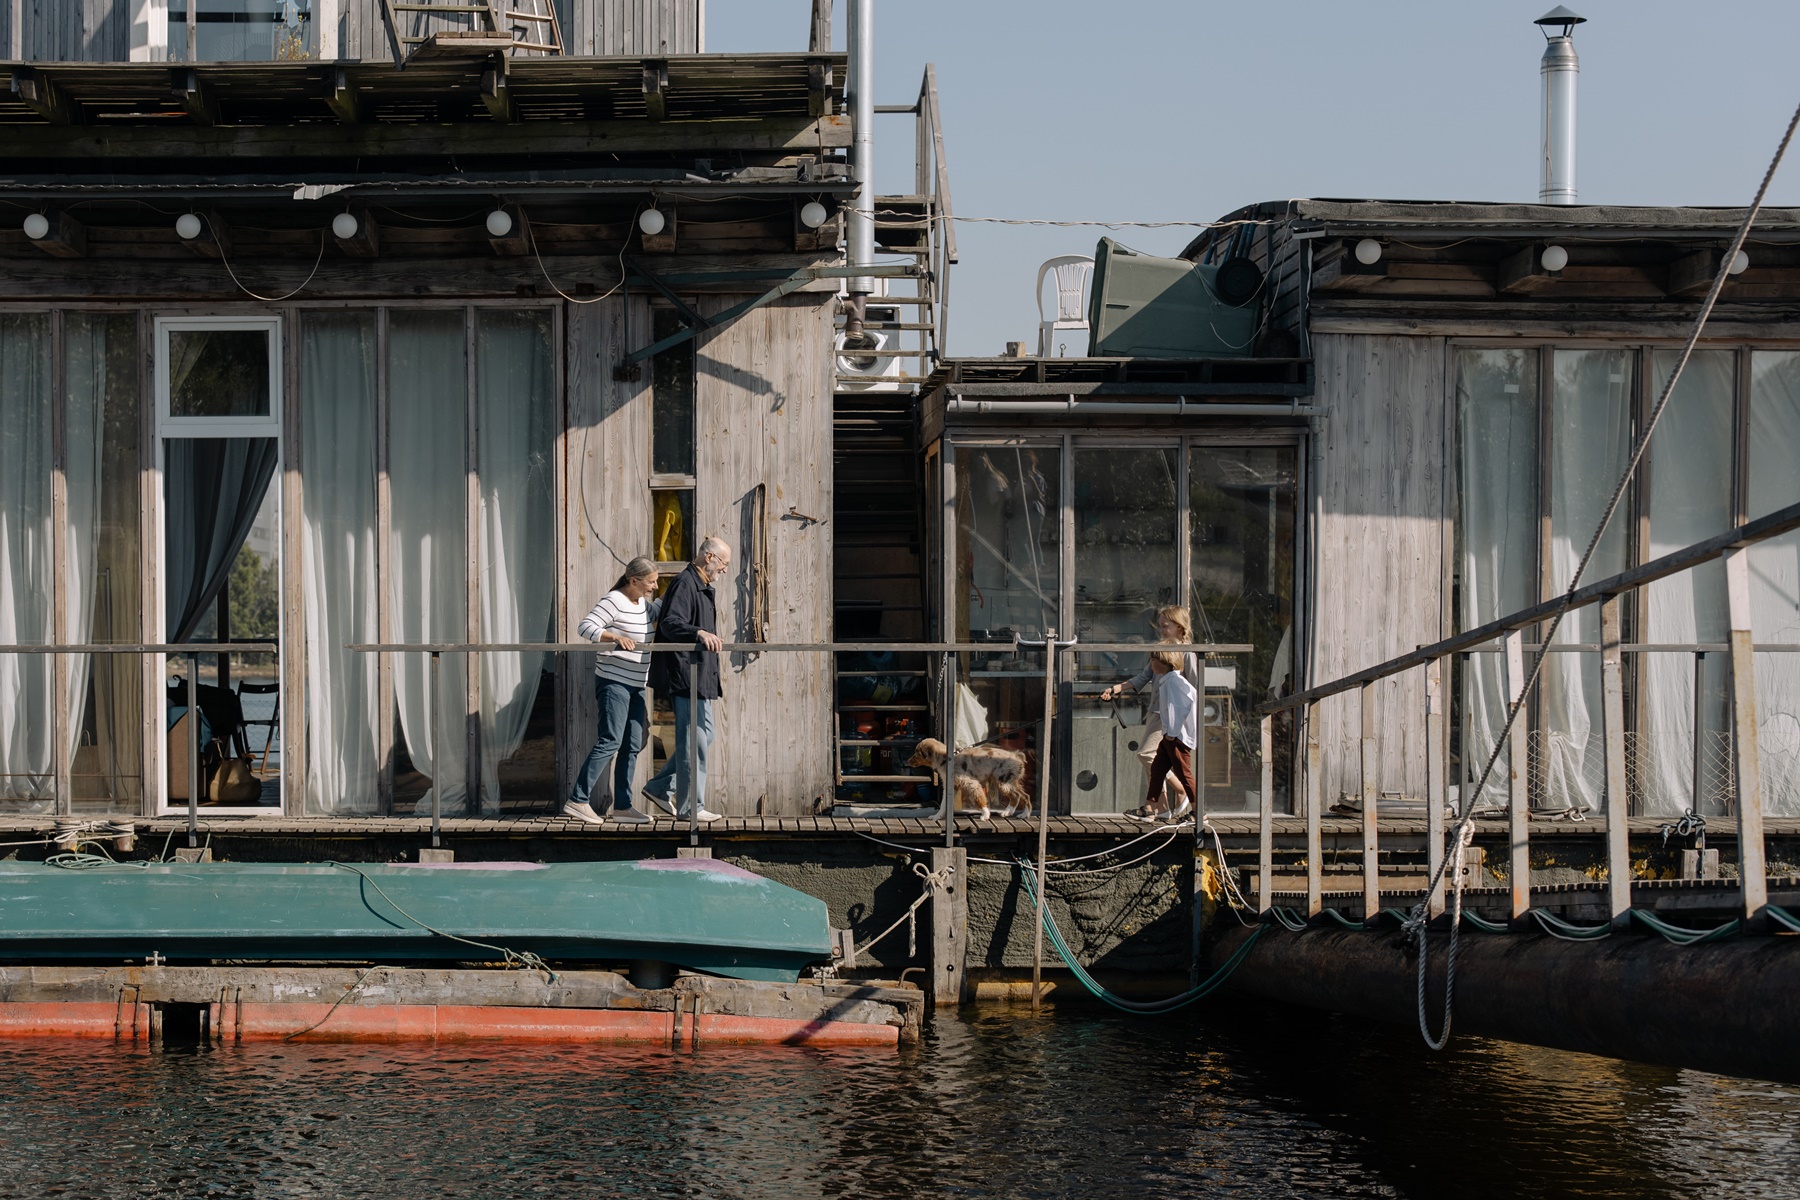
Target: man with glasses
<point x="689" y="614"/>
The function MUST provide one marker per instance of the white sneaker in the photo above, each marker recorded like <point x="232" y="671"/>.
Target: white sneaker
<point x="662" y="802"/>
<point x="706" y="815"/>
<point x="630" y="816"/>
<point x="580" y="810"/>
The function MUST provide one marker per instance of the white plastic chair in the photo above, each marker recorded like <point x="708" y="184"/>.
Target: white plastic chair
<point x="1072" y="271"/>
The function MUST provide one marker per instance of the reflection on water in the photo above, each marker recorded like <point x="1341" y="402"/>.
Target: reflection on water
<point x="1244" y="1101"/>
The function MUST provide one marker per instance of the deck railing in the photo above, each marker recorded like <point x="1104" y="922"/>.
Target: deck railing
<point x="1435" y="661"/>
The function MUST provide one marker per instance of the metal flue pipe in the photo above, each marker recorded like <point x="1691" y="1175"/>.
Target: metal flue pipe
<point x="1558" y="68"/>
<point x="860" y="84"/>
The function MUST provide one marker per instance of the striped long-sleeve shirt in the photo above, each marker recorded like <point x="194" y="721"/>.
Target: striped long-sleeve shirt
<point x="616" y="614"/>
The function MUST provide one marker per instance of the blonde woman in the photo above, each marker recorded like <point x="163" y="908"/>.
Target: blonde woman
<point x="1173" y="624"/>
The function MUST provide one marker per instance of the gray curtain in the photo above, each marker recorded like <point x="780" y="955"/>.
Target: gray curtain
<point x="212" y="490"/>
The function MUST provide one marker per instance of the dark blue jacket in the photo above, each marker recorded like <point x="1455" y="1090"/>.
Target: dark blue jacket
<point x="688" y="607"/>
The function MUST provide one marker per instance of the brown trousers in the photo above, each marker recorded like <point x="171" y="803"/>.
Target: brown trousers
<point x="1171" y="755"/>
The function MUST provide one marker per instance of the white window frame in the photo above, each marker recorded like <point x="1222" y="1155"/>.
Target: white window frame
<point x="168" y="425"/>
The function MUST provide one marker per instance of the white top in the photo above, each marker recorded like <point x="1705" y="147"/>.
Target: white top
<point x="633" y="618"/>
<point x="1178" y="705"/>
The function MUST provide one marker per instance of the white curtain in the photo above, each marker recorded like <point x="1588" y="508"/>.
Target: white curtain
<point x="26" y="695"/>
<point x="86" y="358"/>
<point x="1590" y="442"/>
<point x="1775" y="573"/>
<point x="1497" y="423"/>
<point x="428" y="402"/>
<point x="516" y="391"/>
<point x="1690" y="499"/>
<point x="337" y="417"/>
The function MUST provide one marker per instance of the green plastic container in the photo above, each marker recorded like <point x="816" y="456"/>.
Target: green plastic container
<point x="1140" y="306"/>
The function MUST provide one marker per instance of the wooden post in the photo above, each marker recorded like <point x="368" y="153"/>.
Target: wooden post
<point x="949" y="924"/>
<point x="1612" y="722"/>
<point x="1437" y="791"/>
<point x="1752" y="862"/>
<point x="1370" y="786"/>
<point x="1518" y="810"/>
<point x="1043" y="814"/>
<point x="1315" y="842"/>
<point x="1265" y="817"/>
<point x="819" y="38"/>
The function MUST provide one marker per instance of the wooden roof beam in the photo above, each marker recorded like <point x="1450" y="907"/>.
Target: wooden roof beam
<point x="496" y="92"/>
<point x="214" y="240"/>
<point x="1692" y="274"/>
<point x="184" y="85"/>
<point x="67" y="237"/>
<point x="341" y="98"/>
<point x="366" y="243"/>
<point x="656" y="88"/>
<point x="43" y="96"/>
<point x="517" y="242"/>
<point x="1522" y="273"/>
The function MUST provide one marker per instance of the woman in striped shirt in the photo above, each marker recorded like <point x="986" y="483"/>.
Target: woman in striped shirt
<point x="623" y="618"/>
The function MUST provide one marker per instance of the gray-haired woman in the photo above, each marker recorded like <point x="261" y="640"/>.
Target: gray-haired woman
<point x="623" y="618"/>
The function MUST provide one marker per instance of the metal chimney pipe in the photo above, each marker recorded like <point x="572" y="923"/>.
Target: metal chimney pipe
<point x="861" y="86"/>
<point x="1558" y="68"/>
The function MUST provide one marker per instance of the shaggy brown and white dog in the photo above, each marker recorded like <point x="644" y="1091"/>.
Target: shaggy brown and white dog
<point x="983" y="774"/>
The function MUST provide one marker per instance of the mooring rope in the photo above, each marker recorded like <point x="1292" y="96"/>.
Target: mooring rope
<point x="1146" y="1007"/>
<point x="1465" y="821"/>
<point x="518" y="958"/>
<point x="910" y="917"/>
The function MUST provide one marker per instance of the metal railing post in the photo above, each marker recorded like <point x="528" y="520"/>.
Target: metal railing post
<point x="1699" y="727"/>
<point x="1752" y="861"/>
<point x="946" y="785"/>
<point x="1612" y="723"/>
<point x="693" y="754"/>
<point x="1437" y="789"/>
<point x="1370" y="787"/>
<point x="193" y="740"/>
<point x="1045" y="740"/>
<point x="1265" y="817"/>
<point x="1518" y="776"/>
<point x="437" y="753"/>
<point x="1315" y="843"/>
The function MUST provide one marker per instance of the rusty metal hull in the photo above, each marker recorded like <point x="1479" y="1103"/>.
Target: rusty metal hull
<point x="1727" y="1007"/>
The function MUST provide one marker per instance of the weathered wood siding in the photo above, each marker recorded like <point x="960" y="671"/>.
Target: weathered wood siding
<point x="1381" y="567"/>
<point x="764" y="411"/>
<point x="631" y="27"/>
<point x="69" y="30"/>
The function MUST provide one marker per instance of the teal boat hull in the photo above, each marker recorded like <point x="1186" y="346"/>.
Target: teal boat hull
<point x="698" y="914"/>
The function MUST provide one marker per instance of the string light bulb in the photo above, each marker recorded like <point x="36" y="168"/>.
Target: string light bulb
<point x="1368" y="252"/>
<point x="188" y="226"/>
<point x="345" y="225"/>
<point x="1740" y="262"/>
<point x="37" y="227"/>
<point x="813" y="214"/>
<point x="499" y="223"/>
<point x="1554" y="258"/>
<point x="652" y="222"/>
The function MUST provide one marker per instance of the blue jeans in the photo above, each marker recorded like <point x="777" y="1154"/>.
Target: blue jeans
<point x="675" y="772"/>
<point x="623" y="722"/>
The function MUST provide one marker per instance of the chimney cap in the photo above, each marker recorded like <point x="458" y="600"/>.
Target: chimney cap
<point x="1560" y="15"/>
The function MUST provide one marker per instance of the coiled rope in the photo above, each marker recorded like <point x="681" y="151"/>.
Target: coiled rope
<point x="1464" y="826"/>
<point x="910" y="917"/>
<point x="1027" y="871"/>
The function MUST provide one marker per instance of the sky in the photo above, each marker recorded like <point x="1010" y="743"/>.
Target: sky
<point x="1164" y="110"/>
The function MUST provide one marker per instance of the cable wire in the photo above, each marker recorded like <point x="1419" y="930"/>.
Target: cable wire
<point x="1464" y="827"/>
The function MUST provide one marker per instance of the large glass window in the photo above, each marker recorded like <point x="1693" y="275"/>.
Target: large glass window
<point x="26" y="563"/>
<point x="337" y="418"/>
<point x="100" y="375"/>
<point x="1774" y="483"/>
<point x="240" y="30"/>
<point x="1242" y="504"/>
<point x="1496" y="532"/>
<point x="1684" y="756"/>
<point x="1009" y="541"/>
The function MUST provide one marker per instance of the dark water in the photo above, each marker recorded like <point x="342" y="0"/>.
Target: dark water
<point x="1240" y="1101"/>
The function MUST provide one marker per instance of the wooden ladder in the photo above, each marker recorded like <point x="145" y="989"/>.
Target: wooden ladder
<point x="531" y="25"/>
